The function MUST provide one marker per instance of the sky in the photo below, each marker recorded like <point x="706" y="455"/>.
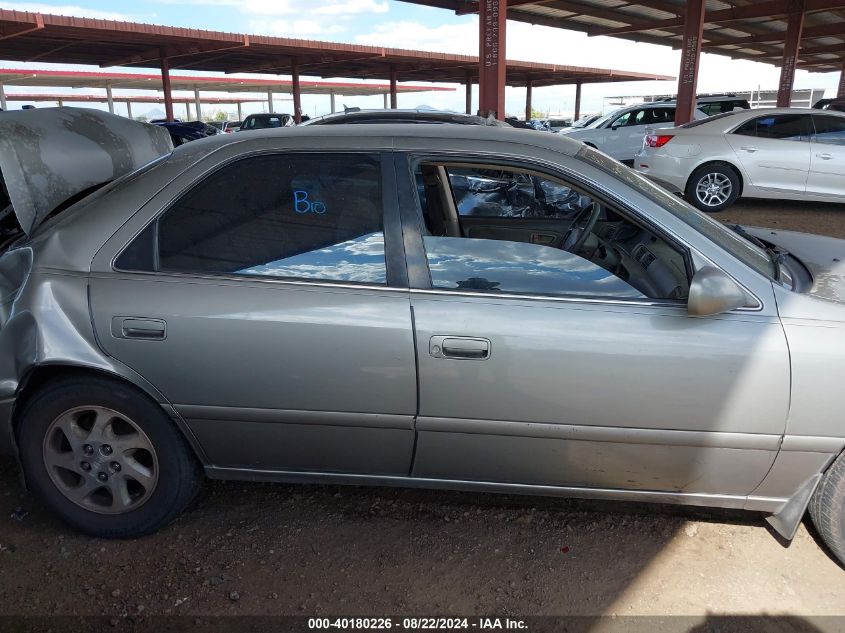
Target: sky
<point x="402" y="25"/>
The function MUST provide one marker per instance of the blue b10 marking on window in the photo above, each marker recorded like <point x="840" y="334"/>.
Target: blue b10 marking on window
<point x="301" y="203"/>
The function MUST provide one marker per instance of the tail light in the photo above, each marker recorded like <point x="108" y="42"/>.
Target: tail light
<point x="657" y="140"/>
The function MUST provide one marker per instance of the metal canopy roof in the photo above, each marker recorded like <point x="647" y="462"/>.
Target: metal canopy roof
<point x="742" y="29"/>
<point x="132" y="81"/>
<point x="75" y="98"/>
<point x="29" y="37"/>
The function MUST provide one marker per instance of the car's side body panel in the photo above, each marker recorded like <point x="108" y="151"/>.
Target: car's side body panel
<point x="708" y="435"/>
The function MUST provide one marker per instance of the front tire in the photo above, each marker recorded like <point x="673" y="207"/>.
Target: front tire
<point x="713" y="187"/>
<point x="827" y="508"/>
<point x="105" y="458"/>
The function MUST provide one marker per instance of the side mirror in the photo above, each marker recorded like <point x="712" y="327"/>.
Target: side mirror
<point x="713" y="292"/>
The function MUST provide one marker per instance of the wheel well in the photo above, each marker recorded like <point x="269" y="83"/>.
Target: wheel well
<point x="43" y="375"/>
<point x="721" y="163"/>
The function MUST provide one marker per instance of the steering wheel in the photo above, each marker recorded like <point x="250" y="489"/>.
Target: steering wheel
<point x="581" y="227"/>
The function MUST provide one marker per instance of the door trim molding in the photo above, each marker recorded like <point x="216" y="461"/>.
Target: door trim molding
<point x="197" y="413"/>
<point x="622" y="435"/>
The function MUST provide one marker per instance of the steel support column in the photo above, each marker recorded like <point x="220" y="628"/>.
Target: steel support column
<point x="528" y="88"/>
<point x="129" y="109"/>
<point x="3" y="98"/>
<point x="790" y="53"/>
<point x="240" y="111"/>
<point x="384" y="100"/>
<point x="331" y="101"/>
<point x="197" y="103"/>
<point x="394" y="76"/>
<point x="577" y="114"/>
<point x="187" y="111"/>
<point x="165" y="84"/>
<point x="690" y="59"/>
<point x="297" y="93"/>
<point x="468" y="82"/>
<point x="110" y="98"/>
<point x="491" y="58"/>
<point x="270" y="101"/>
<point x="839" y="93"/>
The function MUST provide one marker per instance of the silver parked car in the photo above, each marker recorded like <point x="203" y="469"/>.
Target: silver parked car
<point x="462" y="307"/>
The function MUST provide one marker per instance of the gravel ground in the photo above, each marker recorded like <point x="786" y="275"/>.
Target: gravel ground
<point x="260" y="549"/>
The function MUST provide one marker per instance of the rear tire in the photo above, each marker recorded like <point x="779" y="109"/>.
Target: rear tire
<point x="827" y="508"/>
<point x="105" y="458"/>
<point x="713" y="187"/>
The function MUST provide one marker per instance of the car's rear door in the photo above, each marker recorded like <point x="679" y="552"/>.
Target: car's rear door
<point x="539" y="367"/>
<point x="774" y="151"/>
<point x="827" y="160"/>
<point x="268" y="303"/>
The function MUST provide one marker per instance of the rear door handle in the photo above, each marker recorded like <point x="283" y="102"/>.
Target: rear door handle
<point x="139" y="328"/>
<point x="824" y="156"/>
<point x="750" y="150"/>
<point x="459" y="347"/>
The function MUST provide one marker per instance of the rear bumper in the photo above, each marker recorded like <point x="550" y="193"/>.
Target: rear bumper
<point x="7" y="437"/>
<point x="667" y="171"/>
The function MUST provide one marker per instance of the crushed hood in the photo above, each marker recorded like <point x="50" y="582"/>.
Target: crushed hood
<point x="49" y="155"/>
<point x="823" y="256"/>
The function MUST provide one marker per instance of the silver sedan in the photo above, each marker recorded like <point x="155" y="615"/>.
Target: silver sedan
<point x="439" y="306"/>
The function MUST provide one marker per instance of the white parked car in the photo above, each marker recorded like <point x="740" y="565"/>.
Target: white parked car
<point x="784" y="153"/>
<point x="620" y="133"/>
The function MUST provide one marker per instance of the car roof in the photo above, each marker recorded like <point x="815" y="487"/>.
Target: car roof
<point x="422" y="114"/>
<point x="728" y="120"/>
<point x="456" y="135"/>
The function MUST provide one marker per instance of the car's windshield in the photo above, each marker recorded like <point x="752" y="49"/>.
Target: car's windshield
<point x="607" y="117"/>
<point x="741" y="248"/>
<point x="585" y="120"/>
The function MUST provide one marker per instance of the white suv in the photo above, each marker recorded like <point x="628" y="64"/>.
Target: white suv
<point x="620" y="133"/>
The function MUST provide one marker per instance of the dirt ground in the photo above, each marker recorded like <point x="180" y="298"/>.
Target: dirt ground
<point x="261" y="549"/>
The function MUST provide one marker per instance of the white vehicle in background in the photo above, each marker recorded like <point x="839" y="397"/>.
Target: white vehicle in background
<point x="783" y="153"/>
<point x="584" y="121"/>
<point x="620" y="133"/>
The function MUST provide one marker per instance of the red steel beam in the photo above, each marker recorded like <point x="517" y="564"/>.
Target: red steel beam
<point x="690" y="59"/>
<point x="491" y="58"/>
<point x="165" y="84"/>
<point x="468" y="82"/>
<point x="25" y="28"/>
<point x="528" y="99"/>
<point x="790" y="54"/>
<point x="577" y="114"/>
<point x="297" y="92"/>
<point x="393" y="79"/>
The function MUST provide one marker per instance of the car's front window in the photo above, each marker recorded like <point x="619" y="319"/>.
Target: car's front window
<point x="739" y="247"/>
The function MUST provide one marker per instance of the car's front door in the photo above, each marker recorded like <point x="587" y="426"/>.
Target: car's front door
<point x="774" y="150"/>
<point x="541" y="367"/>
<point x="261" y="304"/>
<point x="827" y="161"/>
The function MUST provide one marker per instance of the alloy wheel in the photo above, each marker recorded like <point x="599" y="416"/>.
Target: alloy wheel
<point x="100" y="460"/>
<point x="714" y="189"/>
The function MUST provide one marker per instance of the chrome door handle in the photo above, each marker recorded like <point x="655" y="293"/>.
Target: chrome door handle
<point x="751" y="150"/>
<point x="824" y="156"/>
<point x="459" y="347"/>
<point x="139" y="328"/>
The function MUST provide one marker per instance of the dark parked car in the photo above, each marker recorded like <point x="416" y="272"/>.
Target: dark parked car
<point x="184" y="132"/>
<point x="355" y="115"/>
<point x="265" y="121"/>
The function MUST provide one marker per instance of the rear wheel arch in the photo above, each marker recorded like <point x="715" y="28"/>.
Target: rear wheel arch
<point x="40" y="377"/>
<point x="722" y="163"/>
